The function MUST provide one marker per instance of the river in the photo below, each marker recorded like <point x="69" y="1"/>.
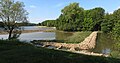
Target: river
<point x="34" y="35"/>
<point x="104" y="42"/>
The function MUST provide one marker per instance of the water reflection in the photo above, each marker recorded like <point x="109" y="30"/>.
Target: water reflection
<point x="63" y="35"/>
<point x="104" y="43"/>
<point x="34" y="36"/>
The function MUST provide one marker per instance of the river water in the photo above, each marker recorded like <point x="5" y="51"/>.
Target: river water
<point x="34" y="35"/>
<point x="104" y="42"/>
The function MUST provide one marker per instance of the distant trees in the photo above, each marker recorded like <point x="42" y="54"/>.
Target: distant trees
<point x="12" y="13"/>
<point x="50" y="23"/>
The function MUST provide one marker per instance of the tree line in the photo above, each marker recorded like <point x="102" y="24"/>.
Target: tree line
<point x="75" y="18"/>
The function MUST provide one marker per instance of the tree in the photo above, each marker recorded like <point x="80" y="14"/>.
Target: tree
<point x="72" y="16"/>
<point x="107" y="23"/>
<point x="11" y="13"/>
<point x="97" y="14"/>
<point x="116" y="15"/>
<point x="116" y="28"/>
<point x="87" y="24"/>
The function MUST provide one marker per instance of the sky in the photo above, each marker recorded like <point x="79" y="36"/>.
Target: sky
<point x="41" y="10"/>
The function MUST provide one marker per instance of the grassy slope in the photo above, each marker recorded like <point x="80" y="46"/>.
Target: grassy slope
<point x="77" y="37"/>
<point x="17" y="52"/>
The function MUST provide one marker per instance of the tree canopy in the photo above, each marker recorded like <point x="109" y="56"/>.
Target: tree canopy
<point x="75" y="18"/>
<point x="11" y="13"/>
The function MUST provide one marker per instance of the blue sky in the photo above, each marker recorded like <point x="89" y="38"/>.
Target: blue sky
<point x="40" y="10"/>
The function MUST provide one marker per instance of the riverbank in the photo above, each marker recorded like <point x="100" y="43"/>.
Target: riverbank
<point x="24" y="31"/>
<point x="28" y="31"/>
<point x="20" y="52"/>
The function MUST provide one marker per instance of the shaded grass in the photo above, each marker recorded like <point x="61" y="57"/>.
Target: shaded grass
<point x="17" y="52"/>
<point x="11" y="44"/>
<point x="77" y="37"/>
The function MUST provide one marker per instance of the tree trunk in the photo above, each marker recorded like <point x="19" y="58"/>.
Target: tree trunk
<point x="10" y="34"/>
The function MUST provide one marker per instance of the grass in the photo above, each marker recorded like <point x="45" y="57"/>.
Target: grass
<point x="68" y="37"/>
<point x="18" y="52"/>
<point x="77" y="37"/>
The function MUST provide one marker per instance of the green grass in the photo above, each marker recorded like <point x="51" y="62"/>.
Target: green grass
<point x="67" y="37"/>
<point x="17" y="52"/>
<point x="77" y="37"/>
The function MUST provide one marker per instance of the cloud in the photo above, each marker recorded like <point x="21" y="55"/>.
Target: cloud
<point x="32" y="6"/>
<point x="111" y="12"/>
<point x="118" y="7"/>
